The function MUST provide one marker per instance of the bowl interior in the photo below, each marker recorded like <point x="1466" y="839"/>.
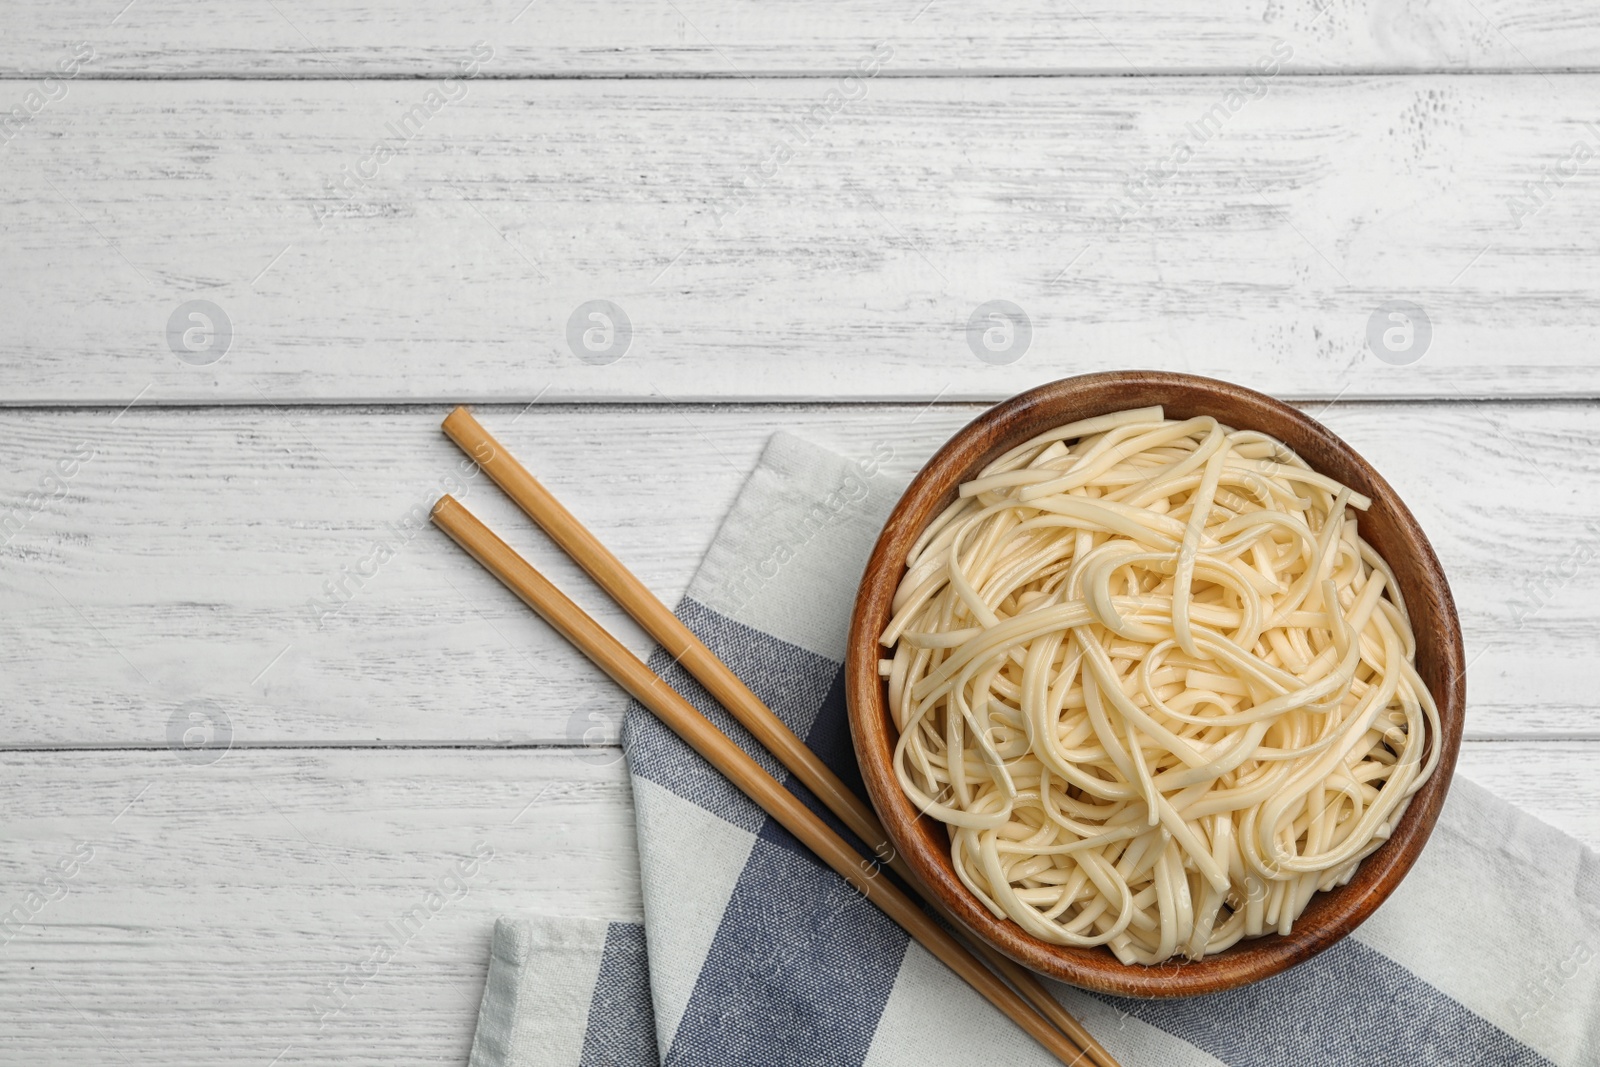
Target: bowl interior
<point x="1387" y="525"/>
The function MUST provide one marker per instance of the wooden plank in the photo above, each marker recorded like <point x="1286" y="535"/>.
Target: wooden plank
<point x="1550" y="779"/>
<point x="864" y="267"/>
<point x="218" y="901"/>
<point x="176" y="572"/>
<point x="352" y="38"/>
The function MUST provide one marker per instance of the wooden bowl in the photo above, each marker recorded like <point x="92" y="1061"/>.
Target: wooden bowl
<point x="1387" y="525"/>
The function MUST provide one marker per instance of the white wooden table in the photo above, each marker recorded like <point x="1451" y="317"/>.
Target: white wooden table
<point x="799" y="208"/>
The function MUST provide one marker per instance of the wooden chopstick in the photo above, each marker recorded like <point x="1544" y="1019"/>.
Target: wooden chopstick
<point x="611" y="656"/>
<point x="623" y="586"/>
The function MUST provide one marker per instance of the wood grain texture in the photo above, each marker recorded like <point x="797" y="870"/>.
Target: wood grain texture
<point x="851" y="273"/>
<point x="220" y="900"/>
<point x="205" y="922"/>
<point x="185" y="554"/>
<point x="1552" y="780"/>
<point x="357" y="38"/>
<point x="180" y="560"/>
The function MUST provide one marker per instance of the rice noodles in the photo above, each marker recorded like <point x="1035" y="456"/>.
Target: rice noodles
<point x="1156" y="685"/>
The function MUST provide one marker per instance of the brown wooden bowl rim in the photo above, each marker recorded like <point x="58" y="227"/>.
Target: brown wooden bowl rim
<point x="1331" y="915"/>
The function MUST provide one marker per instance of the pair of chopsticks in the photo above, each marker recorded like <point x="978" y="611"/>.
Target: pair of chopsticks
<point x="1025" y="1000"/>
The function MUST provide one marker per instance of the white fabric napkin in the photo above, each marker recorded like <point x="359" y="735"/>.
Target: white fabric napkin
<point x="757" y="954"/>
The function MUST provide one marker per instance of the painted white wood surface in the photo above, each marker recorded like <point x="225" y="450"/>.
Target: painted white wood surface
<point x="851" y="273"/>
<point x="182" y="561"/>
<point x="220" y="900"/>
<point x="173" y="573"/>
<point x="358" y="38"/>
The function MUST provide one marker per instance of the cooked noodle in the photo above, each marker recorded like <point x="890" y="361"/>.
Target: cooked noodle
<point x="1156" y="685"/>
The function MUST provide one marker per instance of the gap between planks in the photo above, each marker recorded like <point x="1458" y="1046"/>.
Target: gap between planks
<point x="540" y="399"/>
<point x="820" y="74"/>
<point x="568" y="748"/>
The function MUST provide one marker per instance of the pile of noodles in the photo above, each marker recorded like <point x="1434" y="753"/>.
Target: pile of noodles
<point x="1156" y="685"/>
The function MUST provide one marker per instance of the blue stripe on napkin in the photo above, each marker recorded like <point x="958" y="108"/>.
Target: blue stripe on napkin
<point x="621" y="1030"/>
<point x="790" y="680"/>
<point x="799" y="972"/>
<point x="769" y="989"/>
<point x="1350" y="1004"/>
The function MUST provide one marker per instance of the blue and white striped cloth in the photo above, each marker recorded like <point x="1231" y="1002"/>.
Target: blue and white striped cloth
<point x="757" y="954"/>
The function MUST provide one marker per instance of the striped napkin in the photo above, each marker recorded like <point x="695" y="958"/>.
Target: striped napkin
<point x="757" y="954"/>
